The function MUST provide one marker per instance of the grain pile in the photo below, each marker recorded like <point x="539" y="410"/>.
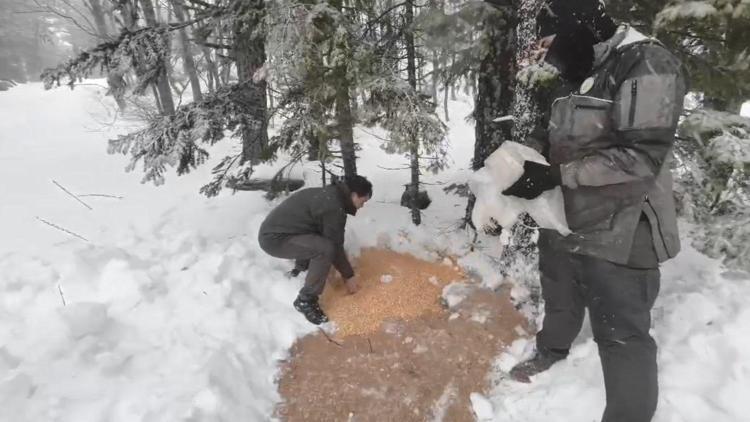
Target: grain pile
<point x="393" y="286"/>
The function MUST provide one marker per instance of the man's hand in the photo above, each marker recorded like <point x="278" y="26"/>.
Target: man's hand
<point x="536" y="179"/>
<point x="351" y="285"/>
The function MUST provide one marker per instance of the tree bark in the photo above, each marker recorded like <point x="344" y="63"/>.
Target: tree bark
<point x="520" y="256"/>
<point x="346" y="128"/>
<point x="344" y="117"/>
<point x="162" y="82"/>
<point x="454" y="81"/>
<point x="213" y="71"/>
<point x="494" y="93"/>
<point x="250" y="55"/>
<point x="435" y="67"/>
<point x="411" y="71"/>
<point x="187" y="56"/>
<point x="115" y="80"/>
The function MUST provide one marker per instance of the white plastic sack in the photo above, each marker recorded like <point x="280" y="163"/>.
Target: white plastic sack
<point x="500" y="171"/>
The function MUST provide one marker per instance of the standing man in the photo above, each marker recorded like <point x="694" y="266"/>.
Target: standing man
<point x="610" y="144"/>
<point x="309" y="228"/>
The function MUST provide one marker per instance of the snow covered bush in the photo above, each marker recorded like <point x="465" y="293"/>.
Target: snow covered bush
<point x="713" y="176"/>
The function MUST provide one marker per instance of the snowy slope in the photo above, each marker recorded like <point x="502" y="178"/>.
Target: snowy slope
<point x="169" y="311"/>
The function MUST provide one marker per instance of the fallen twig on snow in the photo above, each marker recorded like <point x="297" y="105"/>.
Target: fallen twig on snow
<point x="59" y="289"/>
<point x="62" y="229"/>
<point x="102" y="195"/>
<point x="74" y="196"/>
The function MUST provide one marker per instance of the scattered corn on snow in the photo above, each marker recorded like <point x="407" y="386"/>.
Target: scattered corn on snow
<point x="170" y="312"/>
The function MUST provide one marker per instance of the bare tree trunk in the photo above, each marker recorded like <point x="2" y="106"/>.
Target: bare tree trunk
<point x="187" y="56"/>
<point x="344" y="117"/>
<point x="270" y="103"/>
<point x="445" y="100"/>
<point x="213" y="71"/>
<point x="225" y="63"/>
<point x="115" y="80"/>
<point x="411" y="71"/>
<point x="454" y="81"/>
<point x="345" y="123"/>
<point x="435" y="67"/>
<point x="495" y="93"/>
<point x="520" y="255"/>
<point x="162" y="82"/>
<point x="250" y="55"/>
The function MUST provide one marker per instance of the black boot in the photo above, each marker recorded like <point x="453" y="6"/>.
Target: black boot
<point x="311" y="310"/>
<point x="540" y="362"/>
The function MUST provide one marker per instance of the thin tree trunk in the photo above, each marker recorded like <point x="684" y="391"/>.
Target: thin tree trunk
<point x="270" y="102"/>
<point x="346" y="129"/>
<point x="187" y="56"/>
<point x="454" y="81"/>
<point x="435" y="67"/>
<point x="520" y="255"/>
<point x="115" y="80"/>
<point x="162" y="81"/>
<point x="411" y="70"/>
<point x="213" y="71"/>
<point x="445" y="100"/>
<point x="250" y="55"/>
<point x="344" y="117"/>
<point x="495" y="94"/>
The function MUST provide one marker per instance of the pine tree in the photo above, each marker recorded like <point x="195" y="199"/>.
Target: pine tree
<point x="713" y="183"/>
<point x="187" y="55"/>
<point x="710" y="37"/>
<point x="494" y="97"/>
<point x="175" y="137"/>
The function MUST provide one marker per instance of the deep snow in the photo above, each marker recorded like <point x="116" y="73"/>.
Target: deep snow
<point x="171" y="312"/>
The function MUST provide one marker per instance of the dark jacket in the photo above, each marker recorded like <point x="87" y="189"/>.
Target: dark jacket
<point x="613" y="141"/>
<point x="320" y="211"/>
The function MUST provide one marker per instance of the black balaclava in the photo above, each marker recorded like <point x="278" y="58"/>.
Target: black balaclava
<point x="578" y="25"/>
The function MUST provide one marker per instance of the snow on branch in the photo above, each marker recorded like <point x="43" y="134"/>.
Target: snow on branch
<point x="686" y="10"/>
<point x="725" y="136"/>
<point x="408" y="116"/>
<point x="174" y="141"/>
<point x="145" y="50"/>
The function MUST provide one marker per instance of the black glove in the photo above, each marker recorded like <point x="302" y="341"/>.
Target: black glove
<point x="536" y="179"/>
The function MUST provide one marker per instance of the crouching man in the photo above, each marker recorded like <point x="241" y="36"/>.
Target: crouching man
<point x="309" y="228"/>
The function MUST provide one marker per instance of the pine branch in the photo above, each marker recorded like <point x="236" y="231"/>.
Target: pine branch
<point x="145" y="50"/>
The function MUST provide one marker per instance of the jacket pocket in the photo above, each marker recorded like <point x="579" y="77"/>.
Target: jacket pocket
<point x="646" y="102"/>
<point x="590" y="118"/>
<point x="587" y="210"/>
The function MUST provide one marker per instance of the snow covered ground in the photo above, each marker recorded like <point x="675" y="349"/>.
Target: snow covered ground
<point x="169" y="311"/>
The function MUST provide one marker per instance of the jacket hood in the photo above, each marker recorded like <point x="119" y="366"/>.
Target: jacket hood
<point x="625" y="36"/>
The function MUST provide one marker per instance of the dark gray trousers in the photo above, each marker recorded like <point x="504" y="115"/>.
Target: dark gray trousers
<point x="312" y="252"/>
<point x="619" y="299"/>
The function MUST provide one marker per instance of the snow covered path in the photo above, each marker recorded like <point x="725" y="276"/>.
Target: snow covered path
<point x="171" y="311"/>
